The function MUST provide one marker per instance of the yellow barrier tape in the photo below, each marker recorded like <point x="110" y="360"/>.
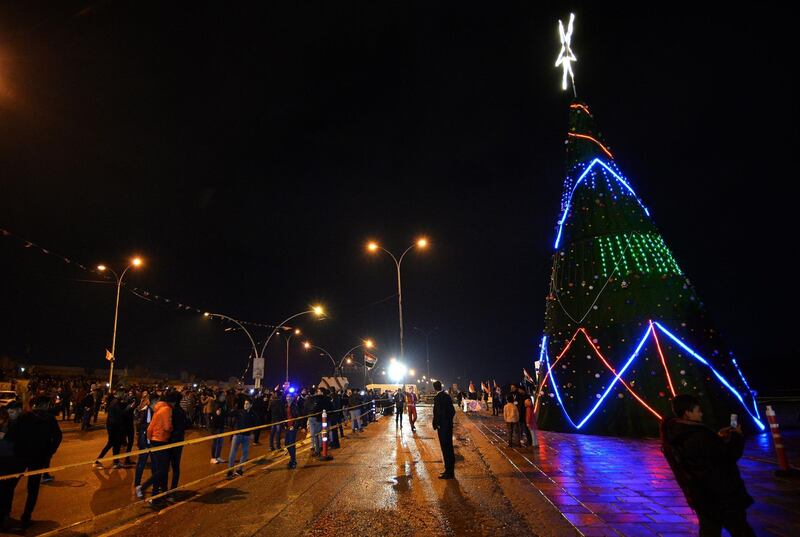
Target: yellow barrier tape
<point x="137" y="452"/>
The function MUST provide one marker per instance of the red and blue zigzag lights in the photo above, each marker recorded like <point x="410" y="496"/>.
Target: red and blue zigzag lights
<point x="651" y="328"/>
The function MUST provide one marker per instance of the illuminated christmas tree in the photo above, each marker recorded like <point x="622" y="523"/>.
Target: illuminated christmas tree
<point x="624" y="327"/>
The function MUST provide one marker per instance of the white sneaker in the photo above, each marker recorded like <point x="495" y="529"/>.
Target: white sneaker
<point x="213" y="461"/>
<point x="97" y="464"/>
<point x="220" y="461"/>
<point x="139" y="493"/>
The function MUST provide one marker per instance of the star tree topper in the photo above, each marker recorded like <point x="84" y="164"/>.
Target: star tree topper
<point x="566" y="56"/>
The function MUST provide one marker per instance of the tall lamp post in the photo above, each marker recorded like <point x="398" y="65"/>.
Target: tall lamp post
<point x="316" y="310"/>
<point x="337" y="366"/>
<point x="427" y="334"/>
<point x="288" y="339"/>
<point x="374" y="247"/>
<point x="135" y="262"/>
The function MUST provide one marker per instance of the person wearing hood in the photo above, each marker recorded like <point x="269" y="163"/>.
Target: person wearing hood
<point x="36" y="437"/>
<point x="704" y="464"/>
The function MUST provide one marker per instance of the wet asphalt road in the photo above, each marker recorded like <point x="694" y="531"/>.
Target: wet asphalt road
<point x="382" y="482"/>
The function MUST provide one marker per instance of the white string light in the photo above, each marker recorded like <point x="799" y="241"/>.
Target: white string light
<point x="566" y="56"/>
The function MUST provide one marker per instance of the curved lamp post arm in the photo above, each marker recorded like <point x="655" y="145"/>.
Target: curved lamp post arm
<point x="348" y="352"/>
<point x="247" y="333"/>
<point x="326" y="353"/>
<point x="274" y="330"/>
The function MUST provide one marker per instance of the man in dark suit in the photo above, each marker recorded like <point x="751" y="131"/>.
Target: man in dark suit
<point x="443" y="414"/>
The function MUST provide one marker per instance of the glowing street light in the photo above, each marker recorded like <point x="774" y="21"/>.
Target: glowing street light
<point x="135" y="262"/>
<point x="288" y="339"/>
<point x="397" y="371"/>
<point x="373" y="246"/>
<point x="317" y="310"/>
<point x="411" y="372"/>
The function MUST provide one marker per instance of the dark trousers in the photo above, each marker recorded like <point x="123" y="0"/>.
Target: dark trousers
<point x="511" y="427"/>
<point x="446" y="442"/>
<point x="735" y="522"/>
<point x="175" y="465"/>
<point x="257" y="434"/>
<point x="141" y="461"/>
<point x="398" y="415"/>
<point x="333" y="433"/>
<point x="291" y="438"/>
<point x="216" y="444"/>
<point x="275" y="436"/>
<point x="8" y="465"/>
<point x="129" y="439"/>
<point x="114" y="442"/>
<point x="159" y="462"/>
<point x="33" y="487"/>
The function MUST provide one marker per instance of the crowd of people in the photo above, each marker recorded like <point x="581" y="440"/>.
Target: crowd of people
<point x="142" y="417"/>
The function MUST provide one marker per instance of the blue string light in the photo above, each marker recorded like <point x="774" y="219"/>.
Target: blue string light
<point x="630" y="360"/>
<point x="581" y="178"/>
<point x="716" y="373"/>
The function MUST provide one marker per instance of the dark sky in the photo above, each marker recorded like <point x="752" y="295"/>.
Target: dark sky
<point x="249" y="152"/>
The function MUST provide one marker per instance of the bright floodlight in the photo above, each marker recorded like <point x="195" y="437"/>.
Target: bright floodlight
<point x="566" y="57"/>
<point x="397" y="371"/>
<point x="101" y="268"/>
<point x="372" y="246"/>
<point x="411" y="372"/>
<point x="136" y="261"/>
<point x="422" y="243"/>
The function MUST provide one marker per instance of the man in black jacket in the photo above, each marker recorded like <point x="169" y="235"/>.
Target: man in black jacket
<point x="704" y="464"/>
<point x="245" y="419"/>
<point x="178" y="434"/>
<point x="114" y="430"/>
<point x="36" y="437"/>
<point x="443" y="414"/>
<point x="277" y="413"/>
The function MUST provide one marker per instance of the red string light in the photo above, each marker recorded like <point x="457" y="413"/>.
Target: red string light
<point x="587" y="137"/>
<point x="663" y="361"/>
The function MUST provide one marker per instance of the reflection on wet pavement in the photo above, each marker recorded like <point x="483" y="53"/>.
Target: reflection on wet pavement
<point x="623" y="487"/>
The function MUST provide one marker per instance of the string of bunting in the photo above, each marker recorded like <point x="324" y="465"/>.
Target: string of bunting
<point x="137" y="291"/>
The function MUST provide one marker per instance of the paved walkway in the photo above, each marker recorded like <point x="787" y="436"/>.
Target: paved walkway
<point x="609" y="486"/>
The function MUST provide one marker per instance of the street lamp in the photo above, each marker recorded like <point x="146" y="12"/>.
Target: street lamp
<point x="316" y="310"/>
<point x="135" y="262"/>
<point x="288" y="339"/>
<point x="427" y="334"/>
<point x="373" y="246"/>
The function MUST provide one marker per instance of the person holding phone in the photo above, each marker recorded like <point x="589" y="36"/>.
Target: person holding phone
<point x="704" y="464"/>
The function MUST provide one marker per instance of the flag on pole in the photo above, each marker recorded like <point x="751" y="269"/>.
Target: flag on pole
<point x="370" y="360"/>
<point x="527" y="376"/>
<point x="109" y="356"/>
<point x="485" y="387"/>
<point x="471" y="387"/>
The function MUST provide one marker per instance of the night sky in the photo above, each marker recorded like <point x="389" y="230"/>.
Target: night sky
<point x="248" y="153"/>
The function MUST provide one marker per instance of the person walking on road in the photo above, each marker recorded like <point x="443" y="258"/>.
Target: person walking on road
<point x="9" y="463"/>
<point x="216" y="425"/>
<point x="245" y="419"/>
<point x="277" y="413"/>
<point x="399" y="406"/>
<point x="143" y="417"/>
<point x="114" y="430"/>
<point x="354" y="405"/>
<point x="443" y="414"/>
<point x="704" y="464"/>
<point x="36" y="437"/>
<point x="511" y="418"/>
<point x="178" y="434"/>
<point x="411" y="407"/>
<point x="158" y="433"/>
<point x="291" y="412"/>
